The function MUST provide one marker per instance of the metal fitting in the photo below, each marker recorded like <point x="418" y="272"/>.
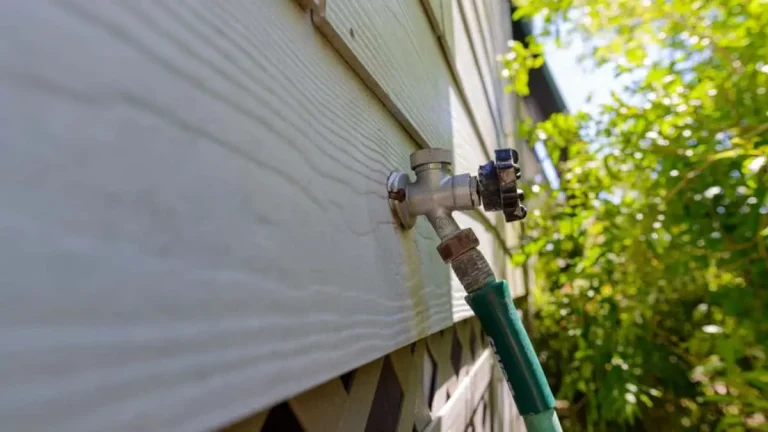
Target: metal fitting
<point x="431" y="155"/>
<point x="457" y="244"/>
<point x="460" y="251"/>
<point x="437" y="192"/>
<point x="472" y="270"/>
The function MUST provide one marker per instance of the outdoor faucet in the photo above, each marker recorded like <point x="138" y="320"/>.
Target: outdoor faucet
<point x="436" y="194"/>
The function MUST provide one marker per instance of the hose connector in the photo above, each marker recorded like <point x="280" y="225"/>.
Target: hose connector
<point x="437" y="192"/>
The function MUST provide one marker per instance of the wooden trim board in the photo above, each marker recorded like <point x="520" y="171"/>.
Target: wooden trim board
<point x="468" y="394"/>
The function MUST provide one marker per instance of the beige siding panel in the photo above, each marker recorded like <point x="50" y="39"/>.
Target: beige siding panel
<point x="194" y="217"/>
<point x="397" y="52"/>
<point x="495" y="17"/>
<point x="435" y="13"/>
<point x="487" y="28"/>
<point x="497" y="31"/>
<point x="477" y="36"/>
<point x="458" y="48"/>
<point x="510" y="121"/>
<point x="498" y="12"/>
<point x="440" y="16"/>
<point x="473" y="56"/>
<point x="471" y="80"/>
<point x="392" y="46"/>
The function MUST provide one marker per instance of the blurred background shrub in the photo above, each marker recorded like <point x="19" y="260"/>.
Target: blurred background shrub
<point x="651" y="259"/>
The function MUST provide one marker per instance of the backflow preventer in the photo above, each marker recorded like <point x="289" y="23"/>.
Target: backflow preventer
<point x="437" y="193"/>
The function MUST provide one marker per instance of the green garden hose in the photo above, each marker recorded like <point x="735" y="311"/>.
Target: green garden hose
<point x="496" y="311"/>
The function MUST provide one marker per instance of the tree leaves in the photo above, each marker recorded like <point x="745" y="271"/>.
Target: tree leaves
<point x="663" y="208"/>
<point x="518" y="63"/>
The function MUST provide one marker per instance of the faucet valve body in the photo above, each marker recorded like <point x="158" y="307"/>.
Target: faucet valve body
<point x="437" y="192"/>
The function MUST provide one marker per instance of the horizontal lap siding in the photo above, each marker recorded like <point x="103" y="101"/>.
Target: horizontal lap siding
<point x="194" y="198"/>
<point x="390" y="44"/>
<point x="397" y="53"/>
<point x="194" y="220"/>
<point x="478" y="37"/>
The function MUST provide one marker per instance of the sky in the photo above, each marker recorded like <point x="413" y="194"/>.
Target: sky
<point x="574" y="82"/>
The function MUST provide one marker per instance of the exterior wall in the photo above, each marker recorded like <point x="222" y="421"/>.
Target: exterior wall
<point x="194" y="223"/>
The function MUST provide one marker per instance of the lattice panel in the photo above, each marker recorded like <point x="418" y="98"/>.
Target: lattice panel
<point x="445" y="382"/>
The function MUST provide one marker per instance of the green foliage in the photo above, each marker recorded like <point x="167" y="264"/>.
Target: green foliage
<point x="518" y="62"/>
<point x="652" y="265"/>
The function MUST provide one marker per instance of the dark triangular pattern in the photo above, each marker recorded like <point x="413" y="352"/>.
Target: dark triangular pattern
<point x="347" y="378"/>
<point x="472" y="341"/>
<point x="481" y="413"/>
<point x="281" y="419"/>
<point x="482" y="341"/>
<point x="387" y="401"/>
<point x="456" y="352"/>
<point x="429" y="378"/>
